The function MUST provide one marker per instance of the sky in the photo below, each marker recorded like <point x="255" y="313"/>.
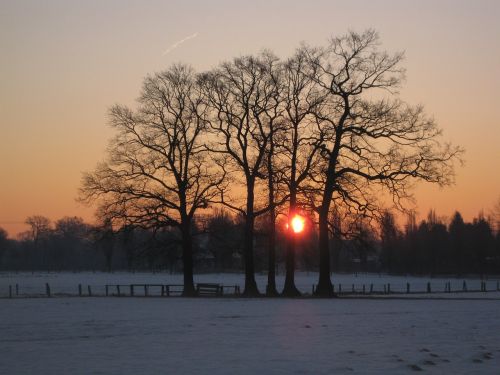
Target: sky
<point x="64" y="63"/>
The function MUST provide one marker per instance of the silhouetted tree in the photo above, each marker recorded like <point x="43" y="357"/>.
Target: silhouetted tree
<point x="457" y="231"/>
<point x="104" y="240"/>
<point x="389" y="238"/>
<point x="244" y="100"/>
<point x="40" y="228"/>
<point x="68" y="241"/>
<point x="302" y="138"/>
<point x="3" y="244"/>
<point x="383" y="142"/>
<point x="128" y="241"/>
<point x="158" y="173"/>
<point x="224" y="239"/>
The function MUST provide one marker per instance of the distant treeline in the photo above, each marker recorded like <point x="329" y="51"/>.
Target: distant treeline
<point x="432" y="246"/>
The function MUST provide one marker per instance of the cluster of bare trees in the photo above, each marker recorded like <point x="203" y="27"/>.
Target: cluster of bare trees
<point x="321" y="132"/>
<point x="434" y="246"/>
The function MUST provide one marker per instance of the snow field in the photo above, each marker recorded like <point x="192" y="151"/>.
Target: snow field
<point x="248" y="336"/>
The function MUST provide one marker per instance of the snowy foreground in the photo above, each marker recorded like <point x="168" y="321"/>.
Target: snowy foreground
<point x="96" y="335"/>
<point x="440" y="333"/>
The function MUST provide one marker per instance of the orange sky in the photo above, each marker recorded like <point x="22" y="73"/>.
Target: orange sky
<point x="63" y="63"/>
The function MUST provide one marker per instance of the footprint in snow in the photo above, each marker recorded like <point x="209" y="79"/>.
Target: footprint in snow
<point x="429" y="363"/>
<point x="415" y="367"/>
<point x="487" y="355"/>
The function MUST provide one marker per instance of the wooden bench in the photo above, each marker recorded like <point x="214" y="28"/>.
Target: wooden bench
<point x="209" y="290"/>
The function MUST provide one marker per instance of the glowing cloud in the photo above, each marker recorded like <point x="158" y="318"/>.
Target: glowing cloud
<point x="178" y="43"/>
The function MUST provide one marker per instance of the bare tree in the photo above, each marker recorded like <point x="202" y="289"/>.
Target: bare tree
<point x="370" y="142"/>
<point x="40" y="227"/>
<point x="495" y="216"/>
<point x="244" y="99"/>
<point x="4" y="241"/>
<point x="158" y="173"/>
<point x="300" y="144"/>
<point x="103" y="236"/>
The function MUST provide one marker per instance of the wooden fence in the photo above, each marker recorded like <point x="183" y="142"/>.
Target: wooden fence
<point x="219" y="290"/>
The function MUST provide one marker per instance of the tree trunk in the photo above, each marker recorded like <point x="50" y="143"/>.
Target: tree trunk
<point x="271" y="275"/>
<point x="251" y="289"/>
<point x="187" y="260"/>
<point x="271" y="290"/>
<point x="324" y="288"/>
<point x="290" y="290"/>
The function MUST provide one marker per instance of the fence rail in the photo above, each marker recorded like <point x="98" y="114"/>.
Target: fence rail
<point x="381" y="289"/>
<point x="219" y="290"/>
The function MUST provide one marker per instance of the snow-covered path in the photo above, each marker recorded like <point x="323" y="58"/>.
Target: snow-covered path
<point x="248" y="336"/>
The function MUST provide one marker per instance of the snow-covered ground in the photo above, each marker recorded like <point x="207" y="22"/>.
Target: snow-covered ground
<point x="67" y="282"/>
<point x="70" y="335"/>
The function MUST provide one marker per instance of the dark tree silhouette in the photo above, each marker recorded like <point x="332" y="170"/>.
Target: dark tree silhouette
<point x="244" y="100"/>
<point x="383" y="142"/>
<point x="224" y="239"/>
<point x="300" y="143"/>
<point x="40" y="227"/>
<point x="3" y="244"/>
<point x="104" y="241"/>
<point x="158" y="173"/>
<point x="389" y="237"/>
<point x="457" y="229"/>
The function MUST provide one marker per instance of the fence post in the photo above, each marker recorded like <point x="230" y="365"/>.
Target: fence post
<point x="364" y="290"/>
<point x="89" y="290"/>
<point x="145" y="290"/>
<point x="353" y="288"/>
<point x="340" y="288"/>
<point x="428" y="287"/>
<point x="131" y="290"/>
<point x="162" y="290"/>
<point x="464" y="286"/>
<point x="313" y="289"/>
<point x="47" y="289"/>
<point x="10" y="291"/>
<point x="388" y="288"/>
<point x="79" y="290"/>
<point x="385" y="289"/>
<point x="407" y="288"/>
<point x="371" y="288"/>
<point x="17" y="289"/>
<point x="168" y="290"/>
<point x="107" y="290"/>
<point x="118" y="290"/>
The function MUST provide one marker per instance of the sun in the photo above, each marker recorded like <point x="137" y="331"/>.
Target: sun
<point x="298" y="223"/>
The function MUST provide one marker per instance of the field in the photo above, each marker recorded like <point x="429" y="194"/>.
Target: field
<point x="70" y="335"/>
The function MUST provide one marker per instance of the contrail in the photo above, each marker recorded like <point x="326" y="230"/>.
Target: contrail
<point x="178" y="43"/>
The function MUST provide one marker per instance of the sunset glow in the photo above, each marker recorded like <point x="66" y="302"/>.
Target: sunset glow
<point x="54" y="123"/>
<point x="298" y="223"/>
